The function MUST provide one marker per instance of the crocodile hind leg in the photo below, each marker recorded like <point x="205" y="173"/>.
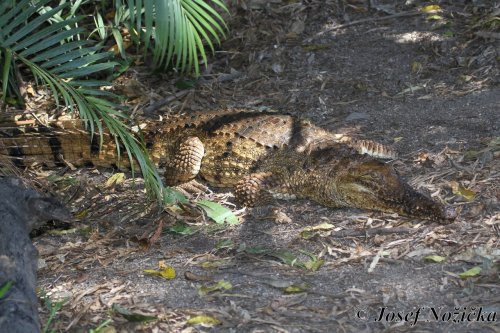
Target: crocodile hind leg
<point x="253" y="190"/>
<point x="186" y="163"/>
<point x="256" y="190"/>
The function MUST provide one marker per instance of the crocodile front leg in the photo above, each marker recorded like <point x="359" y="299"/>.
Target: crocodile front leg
<point x="186" y="162"/>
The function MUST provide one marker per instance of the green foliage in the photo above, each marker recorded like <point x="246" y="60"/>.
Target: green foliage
<point x="4" y="289"/>
<point x="289" y="258"/>
<point x="50" y="44"/>
<point x="180" y="29"/>
<point x="217" y="212"/>
<point x="101" y="328"/>
<point x="181" y="229"/>
<point x="53" y="309"/>
<point x="132" y="316"/>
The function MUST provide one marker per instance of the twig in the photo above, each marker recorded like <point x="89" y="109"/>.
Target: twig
<point x="156" y="235"/>
<point x="371" y="232"/>
<point x="25" y="122"/>
<point x="488" y="34"/>
<point x="165" y="101"/>
<point x="374" y="19"/>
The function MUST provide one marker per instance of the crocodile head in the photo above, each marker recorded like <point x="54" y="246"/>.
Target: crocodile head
<point x="372" y="184"/>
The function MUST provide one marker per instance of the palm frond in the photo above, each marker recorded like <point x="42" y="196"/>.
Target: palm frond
<point x="180" y="29"/>
<point x="59" y="57"/>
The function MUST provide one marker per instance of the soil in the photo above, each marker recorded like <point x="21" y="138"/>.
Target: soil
<point x="426" y="85"/>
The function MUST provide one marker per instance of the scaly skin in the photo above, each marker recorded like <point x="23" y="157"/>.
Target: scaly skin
<point x="337" y="177"/>
<point x="235" y="141"/>
<point x="262" y="154"/>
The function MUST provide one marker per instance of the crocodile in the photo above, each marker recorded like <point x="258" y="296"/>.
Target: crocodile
<point x="262" y="155"/>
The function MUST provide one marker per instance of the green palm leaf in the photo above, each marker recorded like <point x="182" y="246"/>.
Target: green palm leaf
<point x="180" y="30"/>
<point x="59" y="57"/>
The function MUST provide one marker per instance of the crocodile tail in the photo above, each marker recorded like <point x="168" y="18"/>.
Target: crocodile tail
<point x="56" y="147"/>
<point x="369" y="147"/>
<point x="316" y="138"/>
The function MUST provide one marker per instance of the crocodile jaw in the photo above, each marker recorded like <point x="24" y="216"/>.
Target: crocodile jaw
<point x="414" y="204"/>
<point x="377" y="186"/>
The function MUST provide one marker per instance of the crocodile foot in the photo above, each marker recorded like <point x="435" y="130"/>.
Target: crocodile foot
<point x="193" y="187"/>
<point x="253" y="190"/>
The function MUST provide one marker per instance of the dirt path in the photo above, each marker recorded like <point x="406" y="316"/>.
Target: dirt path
<point x="429" y="87"/>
